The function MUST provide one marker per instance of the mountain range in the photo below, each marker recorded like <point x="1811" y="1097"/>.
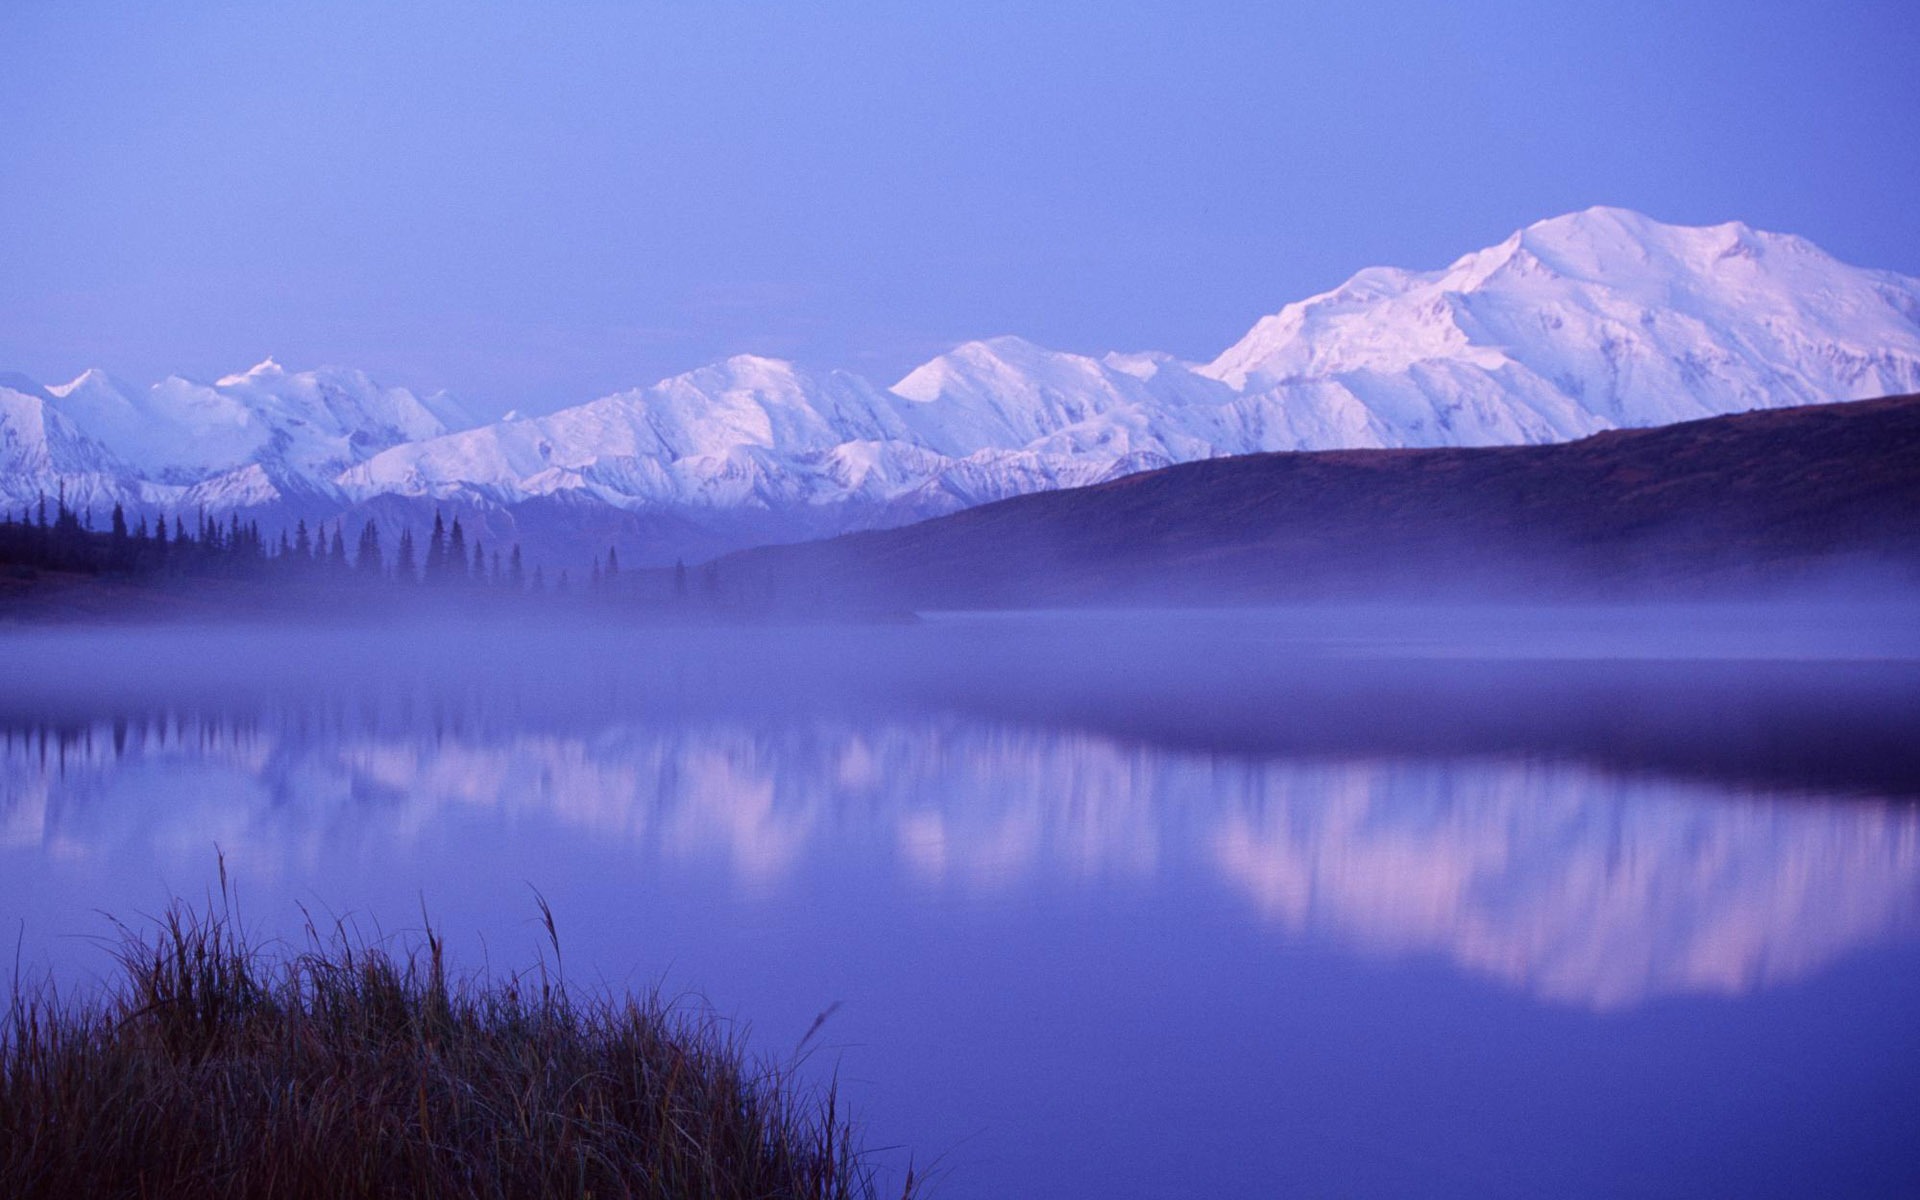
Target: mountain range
<point x="1597" y="320"/>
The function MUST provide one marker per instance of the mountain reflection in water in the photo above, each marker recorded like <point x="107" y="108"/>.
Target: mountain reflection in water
<point x="1574" y="883"/>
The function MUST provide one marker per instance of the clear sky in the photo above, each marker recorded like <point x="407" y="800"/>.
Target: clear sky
<point x="532" y="205"/>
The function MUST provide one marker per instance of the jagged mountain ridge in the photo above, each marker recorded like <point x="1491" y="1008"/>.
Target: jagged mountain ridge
<point x="249" y="439"/>
<point x="1586" y="322"/>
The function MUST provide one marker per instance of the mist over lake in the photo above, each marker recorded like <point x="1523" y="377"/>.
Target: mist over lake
<point x="1449" y="901"/>
<point x="960" y="602"/>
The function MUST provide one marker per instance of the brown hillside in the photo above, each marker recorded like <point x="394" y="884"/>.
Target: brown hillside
<point x="1772" y="496"/>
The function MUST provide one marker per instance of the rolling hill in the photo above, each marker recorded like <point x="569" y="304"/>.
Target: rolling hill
<point x="1758" y="498"/>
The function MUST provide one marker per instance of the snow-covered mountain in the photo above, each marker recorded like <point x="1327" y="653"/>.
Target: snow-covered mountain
<point x="40" y="449"/>
<point x="1585" y="322"/>
<point x="249" y="439"/>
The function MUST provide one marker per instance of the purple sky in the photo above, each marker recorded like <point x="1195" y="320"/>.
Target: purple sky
<point x="533" y="208"/>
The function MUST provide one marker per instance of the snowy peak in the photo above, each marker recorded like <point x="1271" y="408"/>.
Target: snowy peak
<point x="1589" y="321"/>
<point x="43" y="453"/>
<point x="1598" y="318"/>
<point x="266" y="368"/>
<point x="1615" y="246"/>
<point x="737" y="432"/>
<point x="1007" y="392"/>
<point x="306" y="426"/>
<point x="767" y="403"/>
<point x="97" y="402"/>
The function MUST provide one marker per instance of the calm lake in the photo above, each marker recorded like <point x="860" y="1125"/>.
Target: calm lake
<point x="1373" y="902"/>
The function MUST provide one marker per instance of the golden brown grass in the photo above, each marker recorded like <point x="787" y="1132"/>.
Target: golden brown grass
<point x="216" y="1067"/>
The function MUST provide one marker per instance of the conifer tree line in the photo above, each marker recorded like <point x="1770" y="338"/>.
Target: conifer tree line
<point x="58" y="537"/>
<point x="54" y="536"/>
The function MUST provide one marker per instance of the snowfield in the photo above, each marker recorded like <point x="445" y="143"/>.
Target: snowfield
<point x="1590" y="321"/>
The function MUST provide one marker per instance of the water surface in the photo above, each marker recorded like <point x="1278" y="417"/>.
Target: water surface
<point x="1578" y="903"/>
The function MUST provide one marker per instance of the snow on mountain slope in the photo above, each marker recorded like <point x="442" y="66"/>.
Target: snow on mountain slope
<point x="987" y="420"/>
<point x="1585" y="322"/>
<point x="305" y="427"/>
<point x="1575" y="325"/>
<point x="43" y="454"/>
<point x="746" y="431"/>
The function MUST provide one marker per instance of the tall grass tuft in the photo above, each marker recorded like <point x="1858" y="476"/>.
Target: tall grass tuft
<point x="214" y="1067"/>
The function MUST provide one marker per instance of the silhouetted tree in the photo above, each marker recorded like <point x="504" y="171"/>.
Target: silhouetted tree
<point x="516" y="573"/>
<point x="403" y="558"/>
<point x="120" y="554"/>
<point x="367" y="554"/>
<point x="437" y="551"/>
<point x="456" y="560"/>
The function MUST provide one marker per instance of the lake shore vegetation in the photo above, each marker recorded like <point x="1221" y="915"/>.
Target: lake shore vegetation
<point x="214" y="1064"/>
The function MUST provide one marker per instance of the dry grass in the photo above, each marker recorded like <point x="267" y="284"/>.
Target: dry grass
<point x="215" y="1067"/>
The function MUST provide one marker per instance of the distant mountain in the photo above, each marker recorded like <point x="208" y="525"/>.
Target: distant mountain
<point x="1773" y="497"/>
<point x="1597" y="320"/>
<point x="247" y="440"/>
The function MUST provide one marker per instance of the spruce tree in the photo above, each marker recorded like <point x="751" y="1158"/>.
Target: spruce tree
<point x="437" y="550"/>
<point x="403" y="558"/>
<point x="367" y="556"/>
<point x="456" y="558"/>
